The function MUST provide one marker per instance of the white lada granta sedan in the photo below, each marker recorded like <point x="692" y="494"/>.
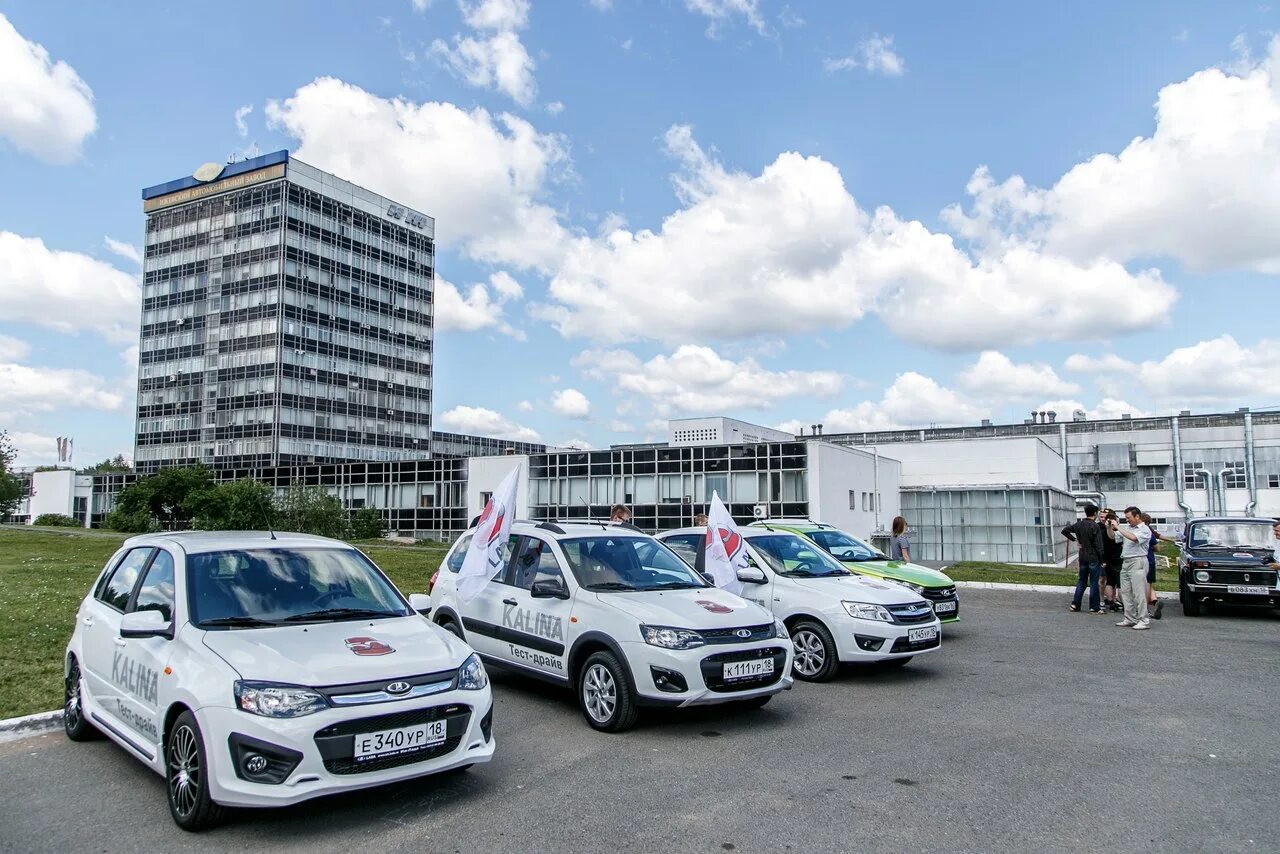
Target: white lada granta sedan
<point x="253" y="669"/>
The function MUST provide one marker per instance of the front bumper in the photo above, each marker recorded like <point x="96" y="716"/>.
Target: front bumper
<point x="873" y="640"/>
<point x="1222" y="593"/>
<point x="325" y="741"/>
<point x="945" y="607"/>
<point x="700" y="672"/>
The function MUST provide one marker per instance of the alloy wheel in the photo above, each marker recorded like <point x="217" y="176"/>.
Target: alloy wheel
<point x="184" y="770"/>
<point x="71" y="702"/>
<point x="810" y="652"/>
<point x="599" y="693"/>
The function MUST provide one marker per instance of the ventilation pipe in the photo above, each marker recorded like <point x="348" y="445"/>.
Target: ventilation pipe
<point x="1220" y="483"/>
<point x="1208" y="487"/>
<point x="1062" y="448"/>
<point x="1177" y="472"/>
<point x="1248" y="465"/>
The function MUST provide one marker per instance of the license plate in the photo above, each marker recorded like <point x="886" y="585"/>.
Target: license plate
<point x="389" y="742"/>
<point x="928" y="633"/>
<point x="748" y="669"/>
<point x="944" y="608"/>
<point x="1248" y="588"/>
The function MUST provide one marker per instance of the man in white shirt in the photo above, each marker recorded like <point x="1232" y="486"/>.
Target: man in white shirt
<point x="1135" y="538"/>
<point x="1275" y="554"/>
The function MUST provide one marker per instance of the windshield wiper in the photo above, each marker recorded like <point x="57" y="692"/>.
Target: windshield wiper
<point x="676" y="585"/>
<point x="237" y="622"/>
<point x="340" y="614"/>
<point x="610" y="585"/>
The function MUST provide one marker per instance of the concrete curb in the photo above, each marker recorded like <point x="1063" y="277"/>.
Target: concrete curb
<point x="1037" y="588"/>
<point x="30" y="724"/>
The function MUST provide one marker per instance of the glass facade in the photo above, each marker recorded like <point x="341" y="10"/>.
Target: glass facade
<point x="667" y="487"/>
<point x="1006" y="525"/>
<point x="284" y="323"/>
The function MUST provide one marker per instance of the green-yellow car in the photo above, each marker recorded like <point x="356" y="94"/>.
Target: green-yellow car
<point x="866" y="560"/>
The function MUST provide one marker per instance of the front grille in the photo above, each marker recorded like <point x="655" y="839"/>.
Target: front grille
<point x="758" y="633"/>
<point x="911" y="614"/>
<point x="713" y="669"/>
<point x="936" y="593"/>
<point x="359" y="693"/>
<point x="902" y="644"/>
<point x="1265" y="577"/>
<point x="337" y="742"/>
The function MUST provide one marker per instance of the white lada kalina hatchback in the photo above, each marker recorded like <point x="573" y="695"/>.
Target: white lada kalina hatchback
<point x="613" y="614"/>
<point x="253" y="669"/>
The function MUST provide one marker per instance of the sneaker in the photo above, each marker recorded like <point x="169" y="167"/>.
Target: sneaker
<point x="1125" y="624"/>
<point x="1118" y="607"/>
<point x="1075" y="607"/>
<point x="1158" y="608"/>
<point x="1095" y="611"/>
<point x="1143" y="625"/>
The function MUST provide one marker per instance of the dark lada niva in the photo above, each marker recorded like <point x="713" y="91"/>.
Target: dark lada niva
<point x="1228" y="560"/>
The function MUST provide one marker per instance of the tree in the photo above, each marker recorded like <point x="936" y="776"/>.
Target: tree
<point x="311" y="510"/>
<point x="11" y="489"/>
<point x="169" y="496"/>
<point x="137" y="522"/>
<point x="367" y="524"/>
<point x="110" y="465"/>
<point x="244" y="504"/>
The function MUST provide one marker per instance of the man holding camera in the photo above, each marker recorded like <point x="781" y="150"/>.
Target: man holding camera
<point x="1134" y="537"/>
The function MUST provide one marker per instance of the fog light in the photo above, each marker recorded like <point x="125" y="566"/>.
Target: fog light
<point x="1202" y="576"/>
<point x="668" y="681"/>
<point x="868" y="643"/>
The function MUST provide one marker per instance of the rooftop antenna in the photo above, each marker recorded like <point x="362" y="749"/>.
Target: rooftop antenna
<point x="266" y="517"/>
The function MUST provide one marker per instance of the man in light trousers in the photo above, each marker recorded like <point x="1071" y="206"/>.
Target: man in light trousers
<point x="1134" y="537"/>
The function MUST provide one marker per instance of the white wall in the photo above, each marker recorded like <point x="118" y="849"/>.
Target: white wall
<point x="835" y="470"/>
<point x="485" y="473"/>
<point x="979" y="462"/>
<point x="53" y="492"/>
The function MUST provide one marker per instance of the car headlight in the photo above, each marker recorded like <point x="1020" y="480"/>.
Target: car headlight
<point x="272" y="700"/>
<point x="1201" y="575"/>
<point x="913" y="587"/>
<point x="471" y="675"/>
<point x="780" y="629"/>
<point x="867" y="611"/>
<point x="669" y="638"/>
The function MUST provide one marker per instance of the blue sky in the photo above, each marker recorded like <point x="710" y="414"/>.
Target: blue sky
<point x="687" y="207"/>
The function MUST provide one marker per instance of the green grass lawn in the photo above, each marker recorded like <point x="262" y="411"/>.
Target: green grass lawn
<point x="1012" y="573"/>
<point x="45" y="572"/>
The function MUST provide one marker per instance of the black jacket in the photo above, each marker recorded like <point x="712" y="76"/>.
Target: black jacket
<point x="1088" y="534"/>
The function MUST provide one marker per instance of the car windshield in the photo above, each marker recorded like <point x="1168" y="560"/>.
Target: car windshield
<point x="248" y="588"/>
<point x="1256" y="535"/>
<point x="627" y="563"/>
<point x="795" y="557"/>
<point x="844" y="547"/>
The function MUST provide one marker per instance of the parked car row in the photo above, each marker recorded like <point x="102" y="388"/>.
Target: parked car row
<point x="256" y="669"/>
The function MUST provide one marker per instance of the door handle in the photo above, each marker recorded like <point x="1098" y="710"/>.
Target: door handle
<point x="510" y="602"/>
<point x="119" y="641"/>
<point x="88" y="621"/>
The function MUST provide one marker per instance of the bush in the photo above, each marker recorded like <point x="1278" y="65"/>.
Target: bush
<point x="367" y="524"/>
<point x="239" y="505"/>
<point x="311" y="510"/>
<point x="137" y="522"/>
<point x="58" y="520"/>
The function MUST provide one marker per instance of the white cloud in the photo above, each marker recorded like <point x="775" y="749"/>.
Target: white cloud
<point x="488" y="199"/>
<point x="481" y="307"/>
<point x="486" y="422"/>
<point x="13" y="349"/>
<point x="26" y="389"/>
<point x="555" y="108"/>
<point x="1204" y="187"/>
<point x="495" y="61"/>
<point x="696" y="379"/>
<point x="524" y="406"/>
<point x="421" y="5"/>
<point x="66" y="291"/>
<point x="495" y="14"/>
<point x="722" y="12"/>
<point x="45" y="108"/>
<point x="913" y="400"/>
<point x="242" y="113"/>
<point x="571" y="403"/>
<point x="34" y="449"/>
<point x="602" y="5"/>
<point x="125" y="250"/>
<point x="620" y="426"/>
<point x="875" y="55"/>
<point x="574" y="445"/>
<point x="995" y="376"/>
<point x="1108" y="409"/>
<point x="789" y="250"/>
<point x="1218" y="371"/>
<point x="1106" y="363"/>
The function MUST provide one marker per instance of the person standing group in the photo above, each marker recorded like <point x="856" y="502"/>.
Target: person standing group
<point x="1087" y="533"/>
<point x="1116" y="564"/>
<point x="1134" y="537"/>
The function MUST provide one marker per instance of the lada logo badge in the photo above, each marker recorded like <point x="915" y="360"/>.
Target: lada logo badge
<point x="368" y="646"/>
<point x="743" y="633"/>
<point x="1246" y="576"/>
<point x="398" y="687"/>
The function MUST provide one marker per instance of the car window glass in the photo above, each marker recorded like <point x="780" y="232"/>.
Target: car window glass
<point x="106" y="573"/>
<point x="627" y="563"/>
<point x="686" y="546"/>
<point x="535" y="562"/>
<point x="792" y="556"/>
<point x="119" y="587"/>
<point x="156" y="591"/>
<point x="455" y="559"/>
<point x="843" y="546"/>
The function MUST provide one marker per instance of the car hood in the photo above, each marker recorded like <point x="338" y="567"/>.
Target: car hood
<point x="338" y="653"/>
<point x="706" y="608"/>
<point x="901" y="571"/>
<point x="1228" y="558"/>
<point x="858" y="588"/>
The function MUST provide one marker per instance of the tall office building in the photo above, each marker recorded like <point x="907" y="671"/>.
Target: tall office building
<point x="286" y="320"/>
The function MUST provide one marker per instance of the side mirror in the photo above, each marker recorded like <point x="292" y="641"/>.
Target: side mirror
<point x="752" y="575"/>
<point x="548" y="588"/>
<point x="420" y="602"/>
<point x="146" y="624"/>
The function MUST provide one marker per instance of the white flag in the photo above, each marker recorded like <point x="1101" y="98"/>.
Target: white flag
<point x="484" y="554"/>
<point x="726" y="553"/>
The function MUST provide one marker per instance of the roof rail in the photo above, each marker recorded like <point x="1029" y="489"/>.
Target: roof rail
<point x="551" y="526"/>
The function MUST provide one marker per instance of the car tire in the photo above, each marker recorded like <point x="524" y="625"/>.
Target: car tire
<point x="1191" y="606"/>
<point x="452" y="628"/>
<point x="187" y="776"/>
<point x="817" y="659"/>
<point x="605" y="695"/>
<point x="75" y="721"/>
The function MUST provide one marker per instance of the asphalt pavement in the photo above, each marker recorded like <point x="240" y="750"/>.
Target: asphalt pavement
<point x="1032" y="729"/>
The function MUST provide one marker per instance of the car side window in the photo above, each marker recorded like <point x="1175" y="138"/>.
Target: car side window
<point x="156" y="591"/>
<point x="459" y="554"/>
<point x="535" y="562"/>
<point x="119" y="587"/>
<point x="686" y="546"/>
